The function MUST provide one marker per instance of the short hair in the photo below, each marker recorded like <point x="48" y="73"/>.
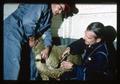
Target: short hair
<point x="97" y="28"/>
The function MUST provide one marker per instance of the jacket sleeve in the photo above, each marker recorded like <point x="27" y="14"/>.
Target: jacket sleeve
<point x="77" y="47"/>
<point x="45" y="25"/>
<point x="47" y="38"/>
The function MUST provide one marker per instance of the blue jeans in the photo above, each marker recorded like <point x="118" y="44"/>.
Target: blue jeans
<point x="33" y="69"/>
<point x="13" y="37"/>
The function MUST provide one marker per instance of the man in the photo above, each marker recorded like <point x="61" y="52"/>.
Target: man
<point x="29" y="21"/>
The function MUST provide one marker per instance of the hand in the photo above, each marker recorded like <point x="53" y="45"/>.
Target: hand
<point x="66" y="64"/>
<point x="67" y="51"/>
<point x="33" y="42"/>
<point x="44" y="53"/>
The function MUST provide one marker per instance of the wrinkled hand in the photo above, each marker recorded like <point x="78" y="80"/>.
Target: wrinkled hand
<point x="66" y="65"/>
<point x="33" y="42"/>
<point x="44" y="53"/>
<point x="67" y="51"/>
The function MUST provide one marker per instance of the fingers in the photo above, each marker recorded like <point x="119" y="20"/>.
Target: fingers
<point x="44" y="56"/>
<point x="36" y="42"/>
<point x="65" y="54"/>
<point x="62" y="65"/>
<point x="66" y="64"/>
<point x="67" y="51"/>
<point x="45" y="52"/>
<point x="33" y="42"/>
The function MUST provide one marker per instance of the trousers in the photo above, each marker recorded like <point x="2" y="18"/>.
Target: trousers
<point x="13" y="37"/>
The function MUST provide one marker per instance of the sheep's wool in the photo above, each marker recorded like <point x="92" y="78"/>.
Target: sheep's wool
<point x="51" y="68"/>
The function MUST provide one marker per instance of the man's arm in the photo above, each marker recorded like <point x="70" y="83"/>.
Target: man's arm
<point x="46" y="31"/>
<point x="48" y="44"/>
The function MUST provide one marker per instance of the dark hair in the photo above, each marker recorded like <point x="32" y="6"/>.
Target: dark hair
<point x="97" y="28"/>
<point x="70" y="9"/>
<point x="110" y="33"/>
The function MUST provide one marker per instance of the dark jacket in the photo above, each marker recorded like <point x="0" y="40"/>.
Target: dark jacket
<point x="95" y="63"/>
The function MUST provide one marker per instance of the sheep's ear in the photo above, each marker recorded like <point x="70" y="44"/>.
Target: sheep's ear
<point x="98" y="40"/>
